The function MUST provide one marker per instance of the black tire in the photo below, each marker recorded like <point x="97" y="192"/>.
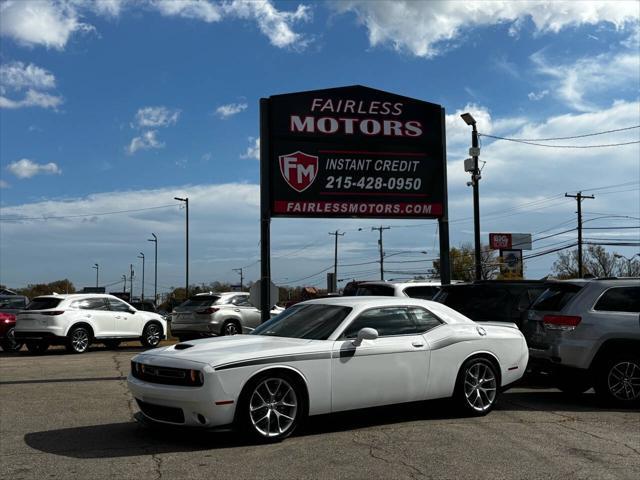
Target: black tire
<point x="78" y="340"/>
<point x="9" y="343"/>
<point x="477" y="387"/>
<point x="151" y="335"/>
<point x="37" y="348"/>
<point x="231" y="327"/>
<point x="111" y="344"/>
<point x="617" y="380"/>
<point x="287" y="405"/>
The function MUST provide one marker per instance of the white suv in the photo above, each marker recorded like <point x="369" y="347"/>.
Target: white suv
<point x="78" y="320"/>
<point x="424" y="289"/>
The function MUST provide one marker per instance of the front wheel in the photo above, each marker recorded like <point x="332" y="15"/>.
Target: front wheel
<point x="151" y="335"/>
<point x="271" y="407"/>
<point x="9" y="343"/>
<point x="477" y="387"/>
<point x="618" y="380"/>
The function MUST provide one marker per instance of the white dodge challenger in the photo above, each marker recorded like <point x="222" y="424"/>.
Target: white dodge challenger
<point x="324" y="356"/>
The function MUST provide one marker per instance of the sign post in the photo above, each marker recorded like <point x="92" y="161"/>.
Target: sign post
<point x="351" y="152"/>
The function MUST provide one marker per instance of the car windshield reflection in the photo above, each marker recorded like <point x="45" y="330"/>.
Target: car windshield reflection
<point x="308" y="321"/>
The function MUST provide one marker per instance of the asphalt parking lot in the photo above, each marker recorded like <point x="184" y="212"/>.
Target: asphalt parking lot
<point x="70" y="416"/>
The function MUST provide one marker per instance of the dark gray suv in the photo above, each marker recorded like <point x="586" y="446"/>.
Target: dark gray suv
<point x="587" y="334"/>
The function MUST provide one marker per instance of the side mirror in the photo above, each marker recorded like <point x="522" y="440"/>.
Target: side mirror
<point x="131" y="310"/>
<point x="365" y="334"/>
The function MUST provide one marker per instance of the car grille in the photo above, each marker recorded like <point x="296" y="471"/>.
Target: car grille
<point x="159" y="412"/>
<point x="165" y="375"/>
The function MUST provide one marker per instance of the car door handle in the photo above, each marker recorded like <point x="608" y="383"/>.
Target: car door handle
<point x="236" y="309"/>
<point x="417" y="344"/>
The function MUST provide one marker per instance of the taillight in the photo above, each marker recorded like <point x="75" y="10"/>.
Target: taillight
<point x="52" y="313"/>
<point x="208" y="311"/>
<point x="561" y="322"/>
<point x="7" y="317"/>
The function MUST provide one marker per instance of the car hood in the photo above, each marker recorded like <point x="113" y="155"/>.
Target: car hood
<point x="222" y="350"/>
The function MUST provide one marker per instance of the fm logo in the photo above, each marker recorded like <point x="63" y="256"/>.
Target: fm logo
<point x="299" y="170"/>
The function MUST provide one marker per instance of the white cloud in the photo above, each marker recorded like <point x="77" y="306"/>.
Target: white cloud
<point x="426" y="29"/>
<point x="194" y="9"/>
<point x="226" y="111"/>
<point x="154" y="117"/>
<point x="275" y="24"/>
<point x="253" y="150"/>
<point x="588" y="76"/>
<point x="15" y="77"/>
<point x="40" y="23"/>
<point x="26" y="168"/>
<point x="535" y="96"/>
<point x="146" y="141"/>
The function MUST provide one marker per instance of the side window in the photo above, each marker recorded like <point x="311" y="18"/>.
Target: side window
<point x="118" y="306"/>
<point x="387" y="321"/>
<point x="424" y="319"/>
<point x="241" y="301"/>
<point x="620" y="299"/>
<point x="92" y="304"/>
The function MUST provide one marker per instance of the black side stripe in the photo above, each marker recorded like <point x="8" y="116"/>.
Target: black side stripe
<point x="278" y="359"/>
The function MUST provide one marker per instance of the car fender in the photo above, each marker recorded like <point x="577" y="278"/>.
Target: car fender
<point x="83" y="319"/>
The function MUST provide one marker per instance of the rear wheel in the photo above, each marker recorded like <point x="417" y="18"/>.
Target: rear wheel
<point x="231" y="327"/>
<point x="271" y="407"/>
<point x="151" y="335"/>
<point x="78" y="340"/>
<point x="477" y="386"/>
<point x="9" y="343"/>
<point x="37" y="347"/>
<point x="618" y="380"/>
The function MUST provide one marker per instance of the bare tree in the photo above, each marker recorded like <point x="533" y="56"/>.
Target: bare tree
<point x="597" y="262"/>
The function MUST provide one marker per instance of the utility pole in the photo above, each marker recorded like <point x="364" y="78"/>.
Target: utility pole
<point x="142" y="294"/>
<point x="155" y="269"/>
<point x="97" y="267"/>
<point x="474" y="151"/>
<point x="335" y="260"/>
<point x="186" y="285"/>
<point x="380" y="229"/>
<point x="131" y="281"/>
<point x="124" y="284"/>
<point x="579" y="197"/>
<point x="239" y="270"/>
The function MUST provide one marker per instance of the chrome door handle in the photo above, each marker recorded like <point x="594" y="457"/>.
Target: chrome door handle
<point x="236" y="309"/>
<point x="417" y="344"/>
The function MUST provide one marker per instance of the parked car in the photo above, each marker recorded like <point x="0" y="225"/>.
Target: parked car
<point x="492" y="300"/>
<point x="77" y="320"/>
<point x="10" y="305"/>
<point x="209" y="314"/>
<point x="324" y="356"/>
<point x="587" y="334"/>
<point x="414" y="289"/>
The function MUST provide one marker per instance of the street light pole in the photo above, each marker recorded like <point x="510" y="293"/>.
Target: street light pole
<point x="97" y="267"/>
<point x="475" y="179"/>
<point x="335" y="260"/>
<point x="380" y="229"/>
<point x="186" y="287"/>
<point x="142" y="294"/>
<point x="155" y="269"/>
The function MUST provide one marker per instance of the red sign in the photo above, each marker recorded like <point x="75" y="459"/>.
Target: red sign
<point x="500" y="241"/>
<point x="299" y="170"/>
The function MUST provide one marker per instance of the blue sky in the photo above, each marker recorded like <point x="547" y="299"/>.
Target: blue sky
<point x="121" y="105"/>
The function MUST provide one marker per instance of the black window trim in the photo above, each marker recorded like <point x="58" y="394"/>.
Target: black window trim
<point x="442" y="322"/>
<point x="593" y="307"/>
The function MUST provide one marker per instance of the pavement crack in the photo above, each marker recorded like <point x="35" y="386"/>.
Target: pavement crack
<point x="157" y="460"/>
<point x="123" y="374"/>
<point x="395" y="459"/>
<point x="598" y="437"/>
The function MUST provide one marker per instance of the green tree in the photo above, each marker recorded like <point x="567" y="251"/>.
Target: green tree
<point x="462" y="260"/>
<point x="58" y="286"/>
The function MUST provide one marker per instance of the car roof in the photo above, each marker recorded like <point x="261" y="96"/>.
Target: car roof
<point x="220" y="293"/>
<point x="368" y="301"/>
<point x="76" y="296"/>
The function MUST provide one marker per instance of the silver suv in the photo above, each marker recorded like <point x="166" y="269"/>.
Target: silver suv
<point x="587" y="333"/>
<point x="208" y="314"/>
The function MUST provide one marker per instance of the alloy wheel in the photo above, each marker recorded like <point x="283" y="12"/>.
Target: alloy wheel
<point x="153" y="335"/>
<point x="273" y="407"/>
<point x="231" y="329"/>
<point x="624" y="381"/>
<point x="80" y="340"/>
<point x="480" y="386"/>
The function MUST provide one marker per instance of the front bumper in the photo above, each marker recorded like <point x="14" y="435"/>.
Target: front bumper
<point x="185" y="406"/>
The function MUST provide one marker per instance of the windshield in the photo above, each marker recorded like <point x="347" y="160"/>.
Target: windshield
<point x="14" y="303"/>
<point x="311" y="322"/>
<point x="197" y="302"/>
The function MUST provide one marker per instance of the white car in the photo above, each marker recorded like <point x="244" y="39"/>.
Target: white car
<point x="424" y="289"/>
<point x="324" y="356"/>
<point x="77" y="320"/>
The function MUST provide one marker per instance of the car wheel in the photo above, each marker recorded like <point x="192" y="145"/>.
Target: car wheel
<point x="37" y="347"/>
<point x="78" y="340"/>
<point x="618" y="380"/>
<point x="151" y="335"/>
<point x="231" y="327"/>
<point x="477" y="386"/>
<point x="271" y="407"/>
<point x="9" y="343"/>
<point x="111" y="344"/>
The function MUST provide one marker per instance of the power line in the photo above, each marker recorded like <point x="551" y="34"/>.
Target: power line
<point x="562" y="138"/>
<point x="565" y="146"/>
<point x="58" y="217"/>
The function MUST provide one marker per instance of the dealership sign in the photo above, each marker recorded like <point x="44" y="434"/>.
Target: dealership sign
<point x="508" y="241"/>
<point x="353" y="152"/>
